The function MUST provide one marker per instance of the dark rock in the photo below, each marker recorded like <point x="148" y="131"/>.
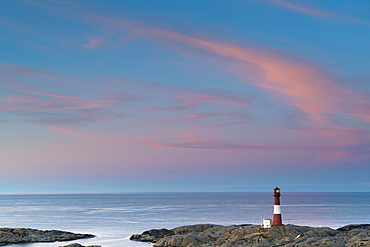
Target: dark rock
<point x="207" y="235"/>
<point x="351" y="227"/>
<point x="25" y="235"/>
<point x="152" y="235"/>
<point x="73" y="245"/>
<point x="193" y="228"/>
<point x="79" y="245"/>
<point x="159" y="233"/>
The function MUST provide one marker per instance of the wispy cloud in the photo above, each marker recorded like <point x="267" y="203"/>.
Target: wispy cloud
<point x="27" y="94"/>
<point x="298" y="8"/>
<point x="316" y="12"/>
<point x="87" y="137"/>
<point x="302" y="84"/>
<point x="222" y="146"/>
<point x="290" y="79"/>
<point x="328" y="150"/>
<point x="23" y="96"/>
<point x="93" y="44"/>
<point x="286" y="77"/>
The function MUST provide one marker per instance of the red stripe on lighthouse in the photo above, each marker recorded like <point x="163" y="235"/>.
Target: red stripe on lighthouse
<point x="277" y="212"/>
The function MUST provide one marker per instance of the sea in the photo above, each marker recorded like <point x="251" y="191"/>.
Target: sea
<point x="113" y="218"/>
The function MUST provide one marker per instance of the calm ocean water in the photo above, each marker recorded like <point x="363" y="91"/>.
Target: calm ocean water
<point x="114" y="217"/>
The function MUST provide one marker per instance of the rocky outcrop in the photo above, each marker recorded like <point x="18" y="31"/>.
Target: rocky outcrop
<point x="79" y="245"/>
<point x="206" y="235"/>
<point x="25" y="235"/>
<point x="152" y="235"/>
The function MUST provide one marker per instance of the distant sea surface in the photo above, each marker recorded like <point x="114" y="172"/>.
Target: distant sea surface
<point x="114" y="217"/>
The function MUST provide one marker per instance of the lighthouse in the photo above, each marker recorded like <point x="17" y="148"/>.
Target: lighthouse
<point x="277" y="211"/>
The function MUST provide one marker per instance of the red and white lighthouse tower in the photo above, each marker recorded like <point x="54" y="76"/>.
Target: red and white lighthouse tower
<point x="277" y="211"/>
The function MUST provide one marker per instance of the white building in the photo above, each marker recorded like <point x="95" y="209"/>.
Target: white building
<point x="267" y="223"/>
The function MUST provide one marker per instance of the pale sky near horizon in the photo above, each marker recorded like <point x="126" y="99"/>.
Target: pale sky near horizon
<point x="128" y="96"/>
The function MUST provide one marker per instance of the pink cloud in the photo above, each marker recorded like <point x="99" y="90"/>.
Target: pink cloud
<point x="184" y="99"/>
<point x="194" y="116"/>
<point x="53" y="102"/>
<point x="222" y="145"/>
<point x="331" y="157"/>
<point x="339" y="157"/>
<point x="13" y="102"/>
<point x="321" y="147"/>
<point x="93" y="44"/>
<point x="138" y="103"/>
<point x="302" y="84"/>
<point x="194" y="142"/>
<point x="310" y="11"/>
<point x="290" y="80"/>
<point x="316" y="12"/>
<point x="24" y="97"/>
<point x="90" y="137"/>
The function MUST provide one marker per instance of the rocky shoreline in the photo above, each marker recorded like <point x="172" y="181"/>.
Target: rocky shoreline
<point x="26" y="235"/>
<point x="208" y="235"/>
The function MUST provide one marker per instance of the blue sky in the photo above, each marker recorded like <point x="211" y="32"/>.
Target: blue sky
<point x="127" y="96"/>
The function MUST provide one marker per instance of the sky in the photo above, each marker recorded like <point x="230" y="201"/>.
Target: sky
<point x="213" y="95"/>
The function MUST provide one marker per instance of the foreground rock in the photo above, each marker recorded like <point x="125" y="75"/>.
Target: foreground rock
<point x="79" y="245"/>
<point x="25" y="235"/>
<point x="207" y="235"/>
